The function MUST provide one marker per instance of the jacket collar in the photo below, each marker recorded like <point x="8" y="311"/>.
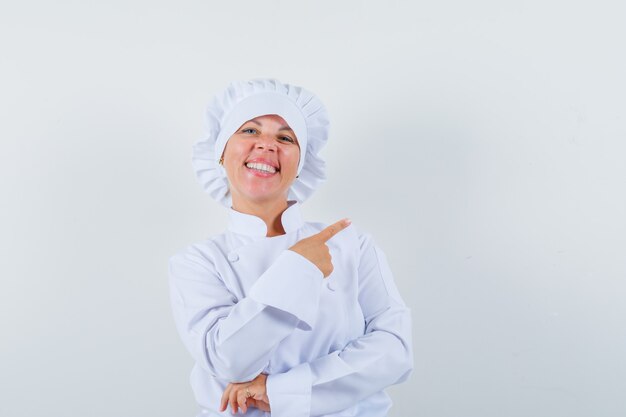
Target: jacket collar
<point x="250" y="225"/>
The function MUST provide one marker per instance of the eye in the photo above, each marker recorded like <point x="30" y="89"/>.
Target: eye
<point x="249" y="130"/>
<point x="287" y="139"/>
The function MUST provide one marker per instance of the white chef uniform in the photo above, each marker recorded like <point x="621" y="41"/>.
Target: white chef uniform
<point x="244" y="304"/>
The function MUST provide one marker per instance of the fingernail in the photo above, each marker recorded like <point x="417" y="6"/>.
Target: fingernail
<point x="348" y="222"/>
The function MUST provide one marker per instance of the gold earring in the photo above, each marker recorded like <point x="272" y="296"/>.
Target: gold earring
<point x="221" y="161"/>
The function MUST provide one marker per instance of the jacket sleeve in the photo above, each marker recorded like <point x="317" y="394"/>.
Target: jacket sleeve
<point x="217" y="328"/>
<point x="368" y="364"/>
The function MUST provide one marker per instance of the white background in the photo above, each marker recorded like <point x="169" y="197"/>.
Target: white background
<point x="481" y="143"/>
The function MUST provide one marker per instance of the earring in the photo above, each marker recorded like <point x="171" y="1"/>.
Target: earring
<point x="221" y="161"/>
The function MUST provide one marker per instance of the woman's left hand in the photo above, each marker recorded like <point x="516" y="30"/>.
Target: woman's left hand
<point x="246" y="394"/>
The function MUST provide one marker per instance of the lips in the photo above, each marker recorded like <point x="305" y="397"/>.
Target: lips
<point x="259" y="166"/>
<point x="262" y="166"/>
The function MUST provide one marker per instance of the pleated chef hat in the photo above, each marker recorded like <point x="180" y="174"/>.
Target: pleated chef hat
<point x="245" y="100"/>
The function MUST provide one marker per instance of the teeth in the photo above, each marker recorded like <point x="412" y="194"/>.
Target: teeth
<point x="261" y="167"/>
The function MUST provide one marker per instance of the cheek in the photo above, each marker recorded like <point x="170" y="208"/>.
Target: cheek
<point x="292" y="157"/>
<point x="233" y="159"/>
<point x="235" y="153"/>
<point x="234" y="148"/>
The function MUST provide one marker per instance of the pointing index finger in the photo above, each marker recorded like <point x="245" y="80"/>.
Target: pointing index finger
<point x="333" y="229"/>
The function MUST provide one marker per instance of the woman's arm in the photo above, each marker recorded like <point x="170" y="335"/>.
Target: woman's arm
<point x="368" y="364"/>
<point x="217" y="328"/>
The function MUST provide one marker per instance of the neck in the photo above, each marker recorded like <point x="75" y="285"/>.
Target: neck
<point x="269" y="212"/>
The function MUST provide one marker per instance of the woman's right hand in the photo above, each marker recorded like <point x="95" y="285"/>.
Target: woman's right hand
<point x="314" y="247"/>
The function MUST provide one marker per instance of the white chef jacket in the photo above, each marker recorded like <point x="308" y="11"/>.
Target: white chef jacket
<point x="244" y="304"/>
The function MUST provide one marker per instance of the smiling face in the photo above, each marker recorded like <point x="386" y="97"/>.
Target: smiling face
<point x="261" y="161"/>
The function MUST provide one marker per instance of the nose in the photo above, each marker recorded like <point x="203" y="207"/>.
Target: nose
<point x="265" y="142"/>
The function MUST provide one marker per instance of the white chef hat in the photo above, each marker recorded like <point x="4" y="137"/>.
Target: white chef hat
<point x="245" y="100"/>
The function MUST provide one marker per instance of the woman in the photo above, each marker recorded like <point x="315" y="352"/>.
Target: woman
<point x="282" y="314"/>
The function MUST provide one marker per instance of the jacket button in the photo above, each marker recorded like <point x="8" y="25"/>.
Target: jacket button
<point x="233" y="257"/>
<point x="330" y="285"/>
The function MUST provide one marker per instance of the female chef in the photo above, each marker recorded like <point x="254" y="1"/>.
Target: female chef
<point x="281" y="314"/>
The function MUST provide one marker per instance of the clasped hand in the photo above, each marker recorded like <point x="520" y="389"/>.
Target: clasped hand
<point x="246" y="394"/>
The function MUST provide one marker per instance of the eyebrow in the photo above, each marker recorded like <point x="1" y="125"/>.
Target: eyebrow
<point x="259" y="124"/>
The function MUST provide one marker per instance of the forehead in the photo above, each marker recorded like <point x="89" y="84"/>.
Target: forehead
<point x="269" y="119"/>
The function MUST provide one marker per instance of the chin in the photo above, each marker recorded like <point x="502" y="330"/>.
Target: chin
<point x="263" y="196"/>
